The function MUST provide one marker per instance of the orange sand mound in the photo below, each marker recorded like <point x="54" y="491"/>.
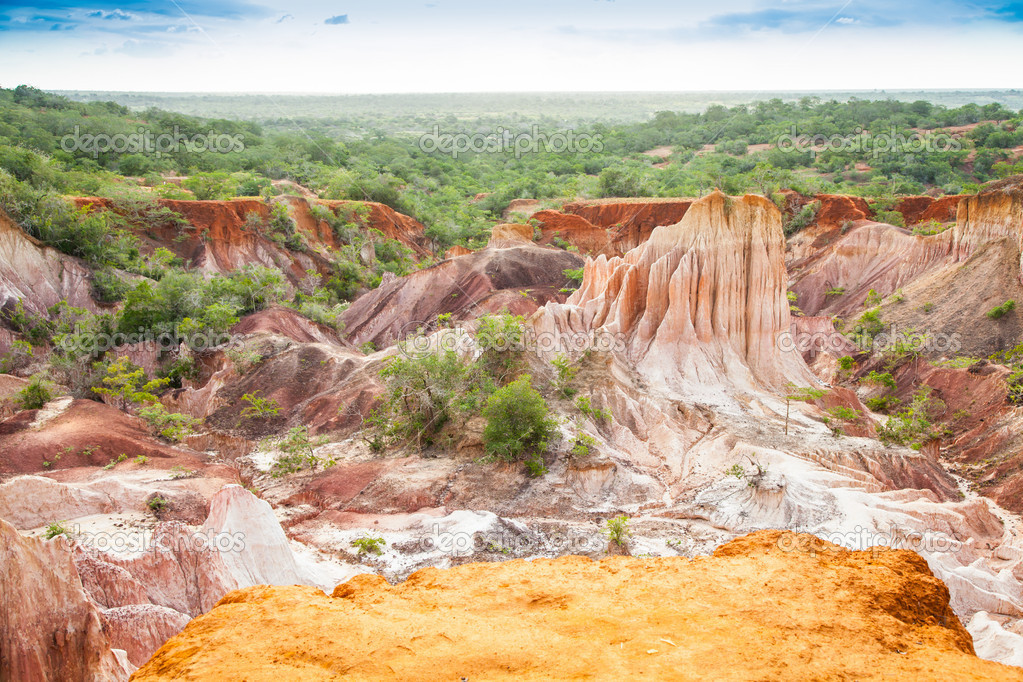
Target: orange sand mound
<point x="760" y="608"/>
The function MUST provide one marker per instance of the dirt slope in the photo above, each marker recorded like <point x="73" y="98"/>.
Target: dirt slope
<point x="763" y="607"/>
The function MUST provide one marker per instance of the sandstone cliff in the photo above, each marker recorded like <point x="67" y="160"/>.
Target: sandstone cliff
<point x="700" y="305"/>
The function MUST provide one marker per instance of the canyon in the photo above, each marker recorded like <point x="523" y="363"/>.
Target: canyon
<point x="693" y="324"/>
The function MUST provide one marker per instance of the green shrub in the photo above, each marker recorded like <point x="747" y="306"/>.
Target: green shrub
<point x="802" y="218"/>
<point x="1001" y="311"/>
<point x="37" y="393"/>
<point x="598" y="415"/>
<point x="18" y="356"/>
<point x="259" y="407"/>
<point x="369" y="545"/>
<point x="565" y="372"/>
<point x="584" y="442"/>
<point x="128" y="384"/>
<point x="55" y="528"/>
<point x="422" y="392"/>
<point x="107" y="286"/>
<point x="914" y="425"/>
<point x="298" y="449"/>
<point x="575" y="275"/>
<point x="879" y="379"/>
<point x="173" y="426"/>
<point x="616" y="530"/>
<point x="518" y="421"/>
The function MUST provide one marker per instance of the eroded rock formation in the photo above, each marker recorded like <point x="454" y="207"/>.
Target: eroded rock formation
<point x="490" y="280"/>
<point x="845" y="614"/>
<point x="50" y="629"/>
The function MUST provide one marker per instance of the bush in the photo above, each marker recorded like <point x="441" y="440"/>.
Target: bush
<point x="575" y="275"/>
<point x="35" y="395"/>
<point x="158" y="505"/>
<point x="369" y="545"/>
<point x="171" y="425"/>
<point x="518" y="421"/>
<point x="19" y="356"/>
<point x="423" y="392"/>
<point x="107" y="286"/>
<point x="596" y="414"/>
<point x="565" y="372"/>
<point x="56" y="528"/>
<point x="128" y="384"/>
<point x="1001" y="311"/>
<point x="879" y="379"/>
<point x="617" y="531"/>
<point x="261" y="408"/>
<point x="883" y="403"/>
<point x="298" y="449"/>
<point x="913" y="425"/>
<point x="803" y="218"/>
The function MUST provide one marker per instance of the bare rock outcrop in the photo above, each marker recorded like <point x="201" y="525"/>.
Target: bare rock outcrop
<point x="50" y="629"/>
<point x="700" y="305"/>
<point x="885" y="616"/>
<point x="38" y="276"/>
<point x="629" y="222"/>
<point x="486" y="281"/>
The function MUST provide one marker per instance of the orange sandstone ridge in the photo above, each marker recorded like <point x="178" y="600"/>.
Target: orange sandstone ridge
<point x="771" y="605"/>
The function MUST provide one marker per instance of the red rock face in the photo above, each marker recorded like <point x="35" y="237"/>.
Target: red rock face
<point x="218" y="240"/>
<point x="456" y="251"/>
<point x="37" y="275"/>
<point x="629" y="222"/>
<point x="394" y="225"/>
<point x="923" y="209"/>
<point x="836" y="210"/>
<point x="286" y="322"/>
<point x="576" y="230"/>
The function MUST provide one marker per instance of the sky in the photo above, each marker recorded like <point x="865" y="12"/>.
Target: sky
<point x="385" y="46"/>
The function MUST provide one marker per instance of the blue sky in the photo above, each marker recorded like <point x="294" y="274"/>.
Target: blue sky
<point x="485" y="45"/>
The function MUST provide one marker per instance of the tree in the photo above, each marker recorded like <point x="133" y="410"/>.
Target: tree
<point x="128" y="385"/>
<point x="518" y="421"/>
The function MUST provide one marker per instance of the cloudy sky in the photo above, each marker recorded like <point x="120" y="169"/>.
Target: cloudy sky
<point x="361" y="46"/>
